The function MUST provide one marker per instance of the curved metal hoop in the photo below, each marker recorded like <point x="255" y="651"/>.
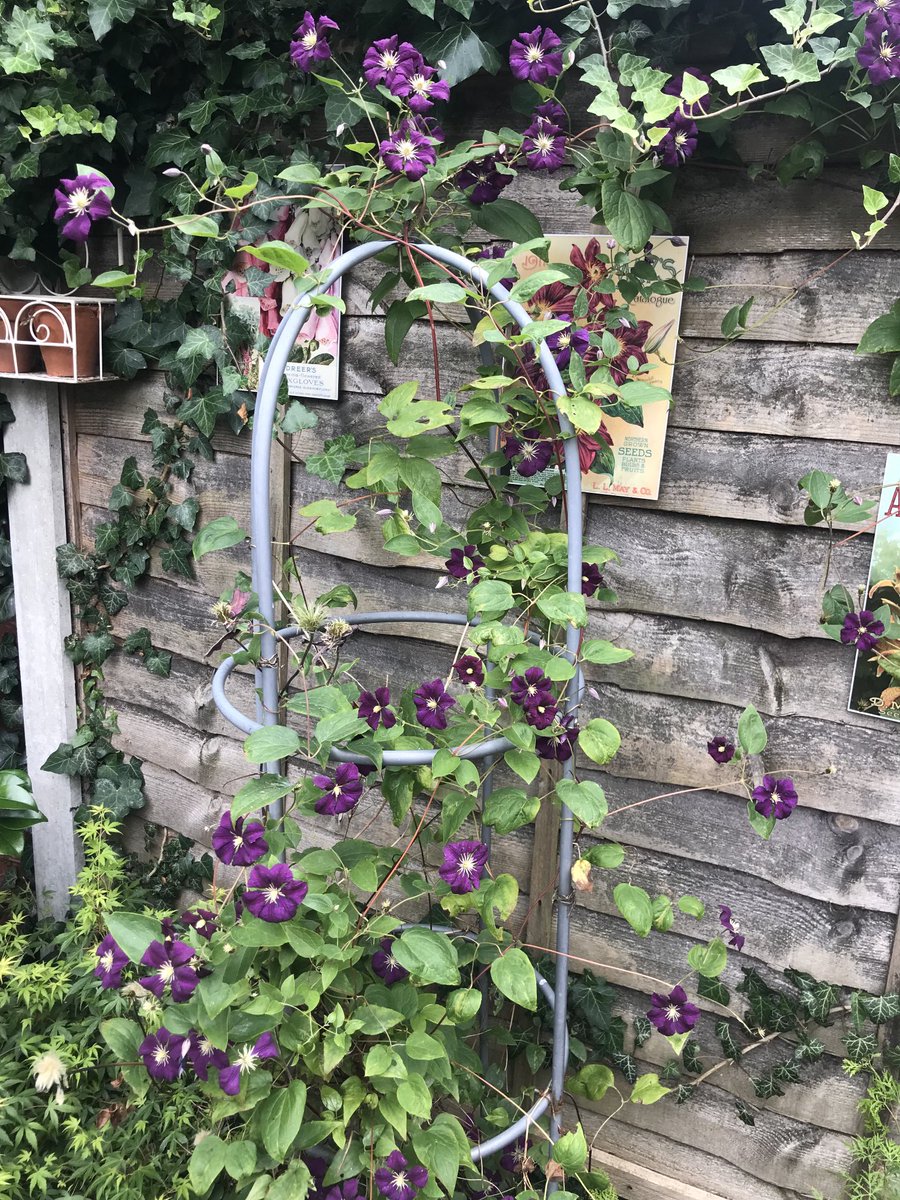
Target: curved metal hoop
<point x="263" y="584"/>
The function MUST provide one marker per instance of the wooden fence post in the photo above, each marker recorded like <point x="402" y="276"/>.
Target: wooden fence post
<point x="37" y="521"/>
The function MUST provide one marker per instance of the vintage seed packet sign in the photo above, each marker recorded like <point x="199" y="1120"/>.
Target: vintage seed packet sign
<point x="876" y="675"/>
<point x="313" y="369"/>
<point x="637" y="449"/>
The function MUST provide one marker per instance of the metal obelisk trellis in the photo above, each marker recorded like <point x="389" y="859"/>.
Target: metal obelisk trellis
<point x="267" y="675"/>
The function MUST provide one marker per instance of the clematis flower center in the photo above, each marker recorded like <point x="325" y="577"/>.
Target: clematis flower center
<point x="407" y="149"/>
<point x="205" y="1047"/>
<point x="166" y="972"/>
<point x="420" y="84"/>
<point x="400" y="1180"/>
<point x="161" y="1055"/>
<point x="466" y="864"/>
<point x="388" y="60"/>
<point x="534" y="54"/>
<point x="544" y="142"/>
<point x="886" y="52"/>
<point x="336" y="790"/>
<point x="238" y="841"/>
<point x="432" y="703"/>
<point x="80" y="200"/>
<point x="673" y="1012"/>
<point x="106" y="960"/>
<point x="309" y="39"/>
<point x="272" y="894"/>
<point x="246" y="1060"/>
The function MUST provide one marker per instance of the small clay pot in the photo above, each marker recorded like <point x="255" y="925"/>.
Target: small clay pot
<point x="54" y="325"/>
<point x="25" y="360"/>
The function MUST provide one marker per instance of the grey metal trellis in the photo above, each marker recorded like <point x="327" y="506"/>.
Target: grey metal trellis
<point x="267" y="675"/>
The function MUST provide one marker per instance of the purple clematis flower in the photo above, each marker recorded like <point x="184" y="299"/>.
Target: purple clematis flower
<point x="311" y="46"/>
<point x="202" y="1055"/>
<point x="680" y="141"/>
<point x="407" y="152"/>
<point x="532" y="688"/>
<point x="173" y="963"/>
<point x="341" y="793"/>
<point x="374" y="708"/>
<point x="246" y="1061"/>
<point x="591" y="579"/>
<point x="80" y="202"/>
<point x="720" y="750"/>
<point x="202" y="920"/>
<point x="533" y="455"/>
<point x="861" y="630"/>
<point x="391" y="62"/>
<point x="111" y="962"/>
<point x="544" y="146"/>
<point x="673" y="1013"/>
<point x="469" y="670"/>
<point x="463" y="866"/>
<point x="567" y="341"/>
<point x="421" y="89"/>
<point x="560" y="743"/>
<point x="551" y="111"/>
<point x="536" y="56"/>
<point x="880" y="52"/>
<point x="775" y="797"/>
<point x="727" y="921"/>
<point x="462" y="563"/>
<point x="397" y="1180"/>
<point x="432" y="702"/>
<point x="238" y="602"/>
<point x="515" y="1156"/>
<point x="273" y="894"/>
<point x="163" y="1053"/>
<point x="486" y="182"/>
<point x="385" y="965"/>
<point x="674" y="86"/>
<point x="239" y="843"/>
<point x="350" y="1189"/>
<point x="877" y="8"/>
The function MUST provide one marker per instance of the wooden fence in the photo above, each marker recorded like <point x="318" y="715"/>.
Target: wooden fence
<point x="719" y="586"/>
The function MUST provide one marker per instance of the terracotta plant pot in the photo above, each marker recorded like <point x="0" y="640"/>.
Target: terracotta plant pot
<point x="25" y="360"/>
<point x="51" y="324"/>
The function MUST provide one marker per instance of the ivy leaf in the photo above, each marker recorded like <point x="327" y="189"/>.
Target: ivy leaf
<point x="204" y="408"/>
<point x="31" y="39"/>
<point x="103" y="14"/>
<point x="715" y="990"/>
<point x="739" y="78"/>
<point x="185" y="513"/>
<point x="176" y="559"/>
<point x="881" y="1008"/>
<point x="119" y="788"/>
<point x="201" y="345"/>
<point x="462" y="51"/>
<point x="335" y="457"/>
<point x="791" y="64"/>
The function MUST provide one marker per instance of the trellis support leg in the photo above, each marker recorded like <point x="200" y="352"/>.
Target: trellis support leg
<point x="37" y="519"/>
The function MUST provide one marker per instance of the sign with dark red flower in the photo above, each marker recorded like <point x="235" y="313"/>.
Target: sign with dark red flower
<point x="875" y="630"/>
<point x="626" y="340"/>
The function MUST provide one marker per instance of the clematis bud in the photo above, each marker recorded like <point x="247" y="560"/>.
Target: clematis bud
<point x="442" y="64"/>
<point x="172" y="172"/>
<point x="206" y="148"/>
<point x="340" y="129"/>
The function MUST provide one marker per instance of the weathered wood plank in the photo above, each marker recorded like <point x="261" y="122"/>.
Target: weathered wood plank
<point x="37" y="525"/>
<point x="836" y="301"/>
